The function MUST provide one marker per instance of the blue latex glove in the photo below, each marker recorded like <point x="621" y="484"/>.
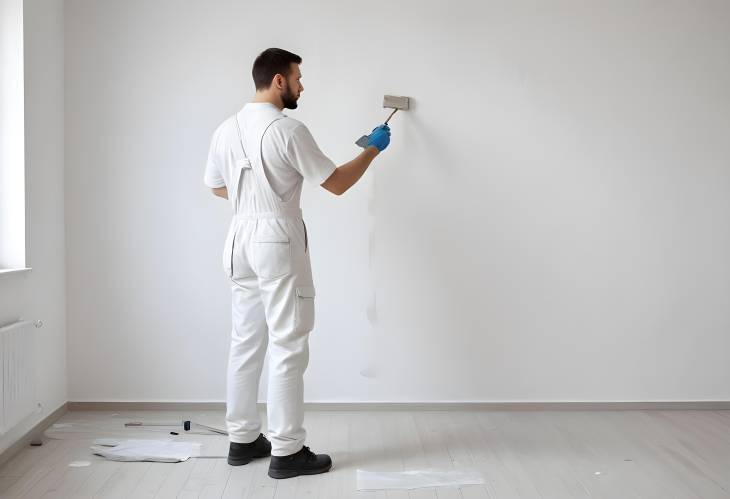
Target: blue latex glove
<point x="380" y="137"/>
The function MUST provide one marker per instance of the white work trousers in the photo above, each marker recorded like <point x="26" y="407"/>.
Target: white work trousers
<point x="267" y="259"/>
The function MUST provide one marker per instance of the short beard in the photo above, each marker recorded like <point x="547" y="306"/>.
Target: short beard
<point x="288" y="98"/>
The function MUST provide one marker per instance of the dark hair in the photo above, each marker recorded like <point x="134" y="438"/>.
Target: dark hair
<point x="271" y="62"/>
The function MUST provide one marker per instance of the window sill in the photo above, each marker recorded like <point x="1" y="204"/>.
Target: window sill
<point x="14" y="271"/>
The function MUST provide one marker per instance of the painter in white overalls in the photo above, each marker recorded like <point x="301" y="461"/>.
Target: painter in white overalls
<point x="262" y="157"/>
<point x="258" y="160"/>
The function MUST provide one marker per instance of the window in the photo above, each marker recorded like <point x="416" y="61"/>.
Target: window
<point x="12" y="137"/>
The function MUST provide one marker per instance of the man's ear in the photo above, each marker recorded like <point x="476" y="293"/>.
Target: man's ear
<point x="279" y="81"/>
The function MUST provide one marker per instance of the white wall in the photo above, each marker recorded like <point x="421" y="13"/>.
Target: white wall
<point x="40" y="293"/>
<point x="550" y="222"/>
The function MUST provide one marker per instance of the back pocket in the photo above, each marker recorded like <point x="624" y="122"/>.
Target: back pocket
<point x="272" y="250"/>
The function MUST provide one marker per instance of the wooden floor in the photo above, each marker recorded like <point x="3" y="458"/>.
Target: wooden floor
<point x="622" y="454"/>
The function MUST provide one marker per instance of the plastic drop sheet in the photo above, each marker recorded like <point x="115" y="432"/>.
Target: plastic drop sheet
<point x="97" y="425"/>
<point x="415" y="479"/>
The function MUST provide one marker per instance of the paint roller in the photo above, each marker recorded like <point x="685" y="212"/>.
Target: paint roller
<point x="186" y="425"/>
<point x="391" y="102"/>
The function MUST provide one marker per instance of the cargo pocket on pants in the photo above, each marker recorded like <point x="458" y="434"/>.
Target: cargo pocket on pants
<point x="304" y="320"/>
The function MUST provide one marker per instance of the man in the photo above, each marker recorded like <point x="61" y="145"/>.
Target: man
<point x="258" y="160"/>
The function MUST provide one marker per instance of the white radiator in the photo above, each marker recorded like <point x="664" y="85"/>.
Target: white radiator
<point x="17" y="373"/>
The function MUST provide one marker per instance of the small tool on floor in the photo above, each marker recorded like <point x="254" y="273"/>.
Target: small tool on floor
<point x="392" y="102"/>
<point x="186" y="425"/>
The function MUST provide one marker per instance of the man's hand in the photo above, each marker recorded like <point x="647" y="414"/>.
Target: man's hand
<point x="221" y="192"/>
<point x="380" y="138"/>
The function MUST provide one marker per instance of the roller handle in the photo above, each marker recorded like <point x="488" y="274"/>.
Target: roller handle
<point x="391" y="115"/>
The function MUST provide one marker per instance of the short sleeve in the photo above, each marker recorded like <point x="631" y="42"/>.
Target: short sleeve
<point x="305" y="156"/>
<point x="213" y="177"/>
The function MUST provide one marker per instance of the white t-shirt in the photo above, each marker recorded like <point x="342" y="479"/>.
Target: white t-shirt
<point x="288" y="150"/>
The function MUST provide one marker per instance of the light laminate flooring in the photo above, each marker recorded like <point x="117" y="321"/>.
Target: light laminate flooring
<point x="523" y="454"/>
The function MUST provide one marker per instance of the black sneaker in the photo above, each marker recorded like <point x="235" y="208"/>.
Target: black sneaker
<point x="304" y="462"/>
<point x="240" y="454"/>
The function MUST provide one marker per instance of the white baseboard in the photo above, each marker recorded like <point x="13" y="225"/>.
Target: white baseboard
<point x="713" y="405"/>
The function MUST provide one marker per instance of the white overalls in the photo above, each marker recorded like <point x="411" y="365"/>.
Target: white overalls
<point x="267" y="259"/>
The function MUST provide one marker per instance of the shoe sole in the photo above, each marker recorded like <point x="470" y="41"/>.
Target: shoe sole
<point x="279" y="474"/>
<point x="244" y="460"/>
